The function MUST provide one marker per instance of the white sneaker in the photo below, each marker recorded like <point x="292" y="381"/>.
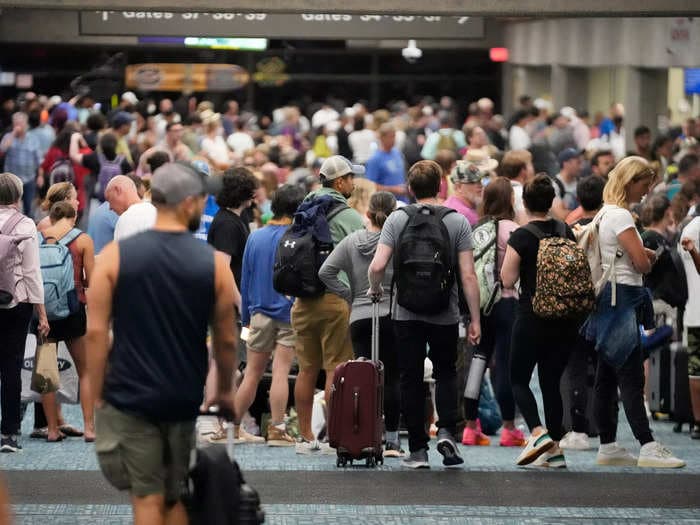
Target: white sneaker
<point x="613" y="455"/>
<point x="553" y="458"/>
<point x="535" y="447"/>
<point x="575" y="441"/>
<point x="655" y="455"/>
<point x="307" y="447"/>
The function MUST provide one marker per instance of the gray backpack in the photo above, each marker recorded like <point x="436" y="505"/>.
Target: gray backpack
<point x="9" y="257"/>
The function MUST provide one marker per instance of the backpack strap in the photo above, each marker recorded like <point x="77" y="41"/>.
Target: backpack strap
<point x="534" y="230"/>
<point x="336" y="209"/>
<point x="11" y="223"/>
<point x="560" y="229"/>
<point x="70" y="237"/>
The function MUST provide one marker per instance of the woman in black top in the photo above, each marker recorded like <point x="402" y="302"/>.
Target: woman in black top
<point x="537" y="341"/>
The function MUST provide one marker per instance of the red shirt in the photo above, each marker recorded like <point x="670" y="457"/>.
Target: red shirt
<point x="54" y="154"/>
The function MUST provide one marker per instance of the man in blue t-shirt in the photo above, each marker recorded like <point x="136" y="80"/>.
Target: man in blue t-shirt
<point x="266" y="313"/>
<point x="386" y="168"/>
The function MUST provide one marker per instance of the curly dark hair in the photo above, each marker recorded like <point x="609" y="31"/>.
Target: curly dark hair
<point x="239" y="185"/>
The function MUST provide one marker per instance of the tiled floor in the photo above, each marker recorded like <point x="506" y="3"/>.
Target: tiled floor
<point x="75" y="455"/>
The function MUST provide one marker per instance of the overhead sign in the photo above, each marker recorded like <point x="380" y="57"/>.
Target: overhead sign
<point x="692" y="81"/>
<point x="187" y="78"/>
<point x="307" y="26"/>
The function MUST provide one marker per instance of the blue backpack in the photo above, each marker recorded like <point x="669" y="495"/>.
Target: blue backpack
<point x="60" y="296"/>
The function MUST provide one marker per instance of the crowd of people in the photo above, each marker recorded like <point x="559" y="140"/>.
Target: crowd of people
<point x="201" y="204"/>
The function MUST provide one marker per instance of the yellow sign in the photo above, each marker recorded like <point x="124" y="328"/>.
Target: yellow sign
<point x="187" y="78"/>
<point x="271" y="72"/>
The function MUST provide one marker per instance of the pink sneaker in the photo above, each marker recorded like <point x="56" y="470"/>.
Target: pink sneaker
<point x="512" y="438"/>
<point x="475" y="438"/>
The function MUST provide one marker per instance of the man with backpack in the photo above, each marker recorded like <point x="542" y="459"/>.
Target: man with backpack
<point x="447" y="137"/>
<point x="431" y="247"/>
<point x="103" y="165"/>
<point x="320" y="319"/>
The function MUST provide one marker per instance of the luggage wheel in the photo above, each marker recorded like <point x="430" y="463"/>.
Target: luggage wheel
<point x="341" y="462"/>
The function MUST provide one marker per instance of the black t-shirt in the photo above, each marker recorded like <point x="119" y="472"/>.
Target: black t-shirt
<point x="228" y="233"/>
<point x="92" y="162"/>
<point x="527" y="246"/>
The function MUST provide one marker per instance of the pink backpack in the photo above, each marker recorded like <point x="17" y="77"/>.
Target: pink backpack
<point x="9" y="257"/>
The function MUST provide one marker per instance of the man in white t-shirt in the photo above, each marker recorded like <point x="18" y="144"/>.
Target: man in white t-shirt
<point x="517" y="166"/>
<point x="690" y="239"/>
<point x="135" y="215"/>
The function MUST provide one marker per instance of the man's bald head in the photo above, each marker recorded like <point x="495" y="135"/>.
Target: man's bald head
<point x="121" y="193"/>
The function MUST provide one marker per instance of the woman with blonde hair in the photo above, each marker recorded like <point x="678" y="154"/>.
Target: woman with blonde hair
<point x="622" y="305"/>
<point x="70" y="330"/>
<point x="364" y="189"/>
<point x="61" y="191"/>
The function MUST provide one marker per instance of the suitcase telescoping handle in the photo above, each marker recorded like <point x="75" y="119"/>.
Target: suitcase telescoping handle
<point x="375" y="329"/>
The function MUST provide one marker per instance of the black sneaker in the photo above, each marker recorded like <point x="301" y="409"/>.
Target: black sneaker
<point x="10" y="444"/>
<point x="416" y="460"/>
<point x="393" y="450"/>
<point x="451" y="458"/>
<point x="695" y="433"/>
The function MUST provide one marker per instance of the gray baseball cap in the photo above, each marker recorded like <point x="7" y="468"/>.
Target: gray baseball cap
<point x="338" y="166"/>
<point x="174" y="182"/>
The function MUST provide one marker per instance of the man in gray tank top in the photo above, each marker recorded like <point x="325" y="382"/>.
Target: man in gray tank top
<point x="160" y="290"/>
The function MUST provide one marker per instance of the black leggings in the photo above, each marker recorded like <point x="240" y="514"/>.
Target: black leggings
<point x="361" y="336"/>
<point x="630" y="378"/>
<point x="495" y="347"/>
<point x="547" y="344"/>
<point x="14" y="326"/>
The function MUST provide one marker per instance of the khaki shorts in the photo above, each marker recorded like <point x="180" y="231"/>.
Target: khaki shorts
<point x="265" y="333"/>
<point x="321" y="329"/>
<point x="143" y="457"/>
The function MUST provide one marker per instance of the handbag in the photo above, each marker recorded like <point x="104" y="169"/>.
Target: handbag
<point x="69" y="381"/>
<point x="45" y="377"/>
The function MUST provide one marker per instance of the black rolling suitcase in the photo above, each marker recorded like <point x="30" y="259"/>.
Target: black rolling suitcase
<point x="216" y="493"/>
<point x="681" y="406"/>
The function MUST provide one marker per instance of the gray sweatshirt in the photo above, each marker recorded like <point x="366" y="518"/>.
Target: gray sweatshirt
<point x="353" y="256"/>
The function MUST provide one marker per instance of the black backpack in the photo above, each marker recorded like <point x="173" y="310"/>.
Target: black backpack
<point x="424" y="266"/>
<point x="304" y="247"/>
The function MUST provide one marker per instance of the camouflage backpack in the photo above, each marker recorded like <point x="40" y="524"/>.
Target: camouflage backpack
<point x="564" y="288"/>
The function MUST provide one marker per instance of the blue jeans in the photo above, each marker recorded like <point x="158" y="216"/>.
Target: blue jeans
<point x="28" y="198"/>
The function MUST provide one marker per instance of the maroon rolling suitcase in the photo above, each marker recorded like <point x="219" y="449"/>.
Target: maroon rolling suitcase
<point x="356" y="406"/>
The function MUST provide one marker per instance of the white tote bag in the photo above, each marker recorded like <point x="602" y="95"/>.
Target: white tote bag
<point x="68" y="391"/>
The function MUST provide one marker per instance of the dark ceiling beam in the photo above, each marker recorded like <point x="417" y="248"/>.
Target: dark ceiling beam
<point x="503" y="8"/>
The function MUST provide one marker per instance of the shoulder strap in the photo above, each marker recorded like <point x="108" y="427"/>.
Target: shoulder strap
<point x="534" y="230"/>
<point x="560" y="184"/>
<point x="409" y="210"/>
<point x="560" y="229"/>
<point x="70" y="237"/>
<point x="442" y="211"/>
<point x="336" y="209"/>
<point x="11" y="223"/>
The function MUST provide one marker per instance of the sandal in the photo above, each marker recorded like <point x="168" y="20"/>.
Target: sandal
<point x="70" y="431"/>
<point x="60" y="437"/>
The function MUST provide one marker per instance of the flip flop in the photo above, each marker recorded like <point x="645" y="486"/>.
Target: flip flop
<point x="89" y="440"/>
<point x="59" y="438"/>
<point x="70" y="431"/>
